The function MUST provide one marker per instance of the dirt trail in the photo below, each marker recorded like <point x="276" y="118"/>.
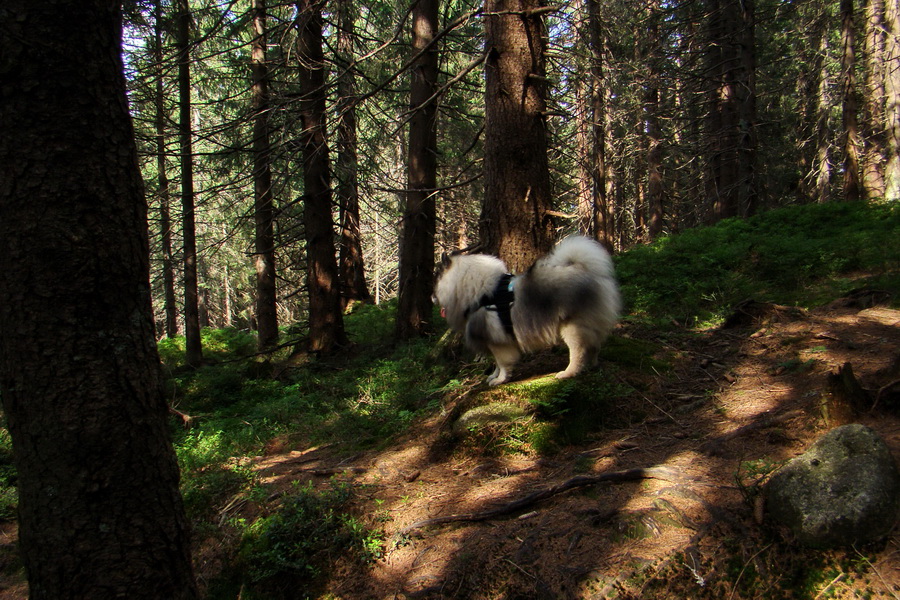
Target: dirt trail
<point x="739" y="401"/>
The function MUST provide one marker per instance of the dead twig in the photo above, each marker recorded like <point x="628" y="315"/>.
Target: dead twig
<point x="878" y="573"/>
<point x="746" y="564"/>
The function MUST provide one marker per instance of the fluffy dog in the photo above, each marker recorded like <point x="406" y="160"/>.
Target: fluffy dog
<point x="570" y="295"/>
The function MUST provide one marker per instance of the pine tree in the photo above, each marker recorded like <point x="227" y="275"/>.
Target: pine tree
<point x="100" y="513"/>
<point x="516" y="222"/>
<point x="418" y="228"/>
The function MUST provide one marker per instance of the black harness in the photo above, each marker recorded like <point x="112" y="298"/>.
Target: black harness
<point x="499" y="301"/>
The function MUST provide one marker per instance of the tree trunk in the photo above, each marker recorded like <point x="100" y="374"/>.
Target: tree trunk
<point x="852" y="140"/>
<point x="417" y="237"/>
<point x="584" y="190"/>
<point x="352" y="269"/>
<point x="822" y="169"/>
<point x="326" y="320"/>
<point x="602" y="225"/>
<point x="193" y="347"/>
<point x="892" y="99"/>
<point x="165" y="221"/>
<point x="516" y="224"/>
<point x="731" y="121"/>
<point x="100" y="515"/>
<point x="264" y="256"/>
<point x="653" y="130"/>
<point x="812" y="145"/>
<point x="873" y="119"/>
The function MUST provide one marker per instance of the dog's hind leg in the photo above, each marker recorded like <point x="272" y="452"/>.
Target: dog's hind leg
<point x="581" y="351"/>
<point x="506" y="358"/>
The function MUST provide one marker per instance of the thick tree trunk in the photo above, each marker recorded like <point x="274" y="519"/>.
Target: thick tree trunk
<point x="516" y="223"/>
<point x="850" y="105"/>
<point x="731" y="121"/>
<point x="653" y="131"/>
<point x="352" y="269"/>
<point x="873" y="120"/>
<point x="100" y="515"/>
<point x="813" y="142"/>
<point x="326" y="320"/>
<point x="602" y="225"/>
<point x="417" y="236"/>
<point x="821" y="174"/>
<point x="892" y="100"/>
<point x="264" y="213"/>
<point x="165" y="221"/>
<point x="584" y="191"/>
<point x="193" y="346"/>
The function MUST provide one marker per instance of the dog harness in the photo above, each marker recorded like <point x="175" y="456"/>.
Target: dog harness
<point x="499" y="301"/>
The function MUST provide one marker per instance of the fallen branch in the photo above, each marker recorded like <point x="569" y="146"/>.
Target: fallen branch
<point x="336" y="471"/>
<point x="535" y="497"/>
<point x="187" y="421"/>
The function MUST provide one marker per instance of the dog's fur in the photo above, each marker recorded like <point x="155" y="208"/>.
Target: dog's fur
<point x="570" y="295"/>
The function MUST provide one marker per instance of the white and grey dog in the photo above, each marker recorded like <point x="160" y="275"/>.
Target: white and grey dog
<point x="570" y="295"/>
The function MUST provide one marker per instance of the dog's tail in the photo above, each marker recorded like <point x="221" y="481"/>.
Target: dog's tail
<point x="581" y="253"/>
<point x="574" y="284"/>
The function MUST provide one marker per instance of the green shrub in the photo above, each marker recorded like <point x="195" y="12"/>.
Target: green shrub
<point x="566" y="411"/>
<point x="297" y="541"/>
<point x="218" y="344"/>
<point x="790" y="255"/>
<point x="9" y="498"/>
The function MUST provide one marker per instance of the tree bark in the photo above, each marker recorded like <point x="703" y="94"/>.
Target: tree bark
<point x="193" y="346"/>
<point x="352" y="268"/>
<point x="731" y="120"/>
<point x="584" y="191"/>
<point x="264" y="213"/>
<point x="653" y="131"/>
<point x="516" y="224"/>
<point x="850" y="105"/>
<point x="418" y="230"/>
<point x="892" y="100"/>
<point x="326" y="320"/>
<point x="813" y="143"/>
<point x="821" y="166"/>
<point x="165" y="220"/>
<point x="100" y="514"/>
<point x="873" y="102"/>
<point x="602" y="223"/>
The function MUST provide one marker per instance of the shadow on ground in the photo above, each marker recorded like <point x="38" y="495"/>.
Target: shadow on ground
<point x="738" y="402"/>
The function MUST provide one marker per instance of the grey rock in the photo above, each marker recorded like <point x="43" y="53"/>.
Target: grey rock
<point x="844" y="490"/>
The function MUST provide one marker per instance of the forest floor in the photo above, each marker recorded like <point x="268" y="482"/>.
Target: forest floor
<point x="736" y="403"/>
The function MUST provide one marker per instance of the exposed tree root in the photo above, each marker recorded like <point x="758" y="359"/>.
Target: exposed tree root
<point x="535" y="497"/>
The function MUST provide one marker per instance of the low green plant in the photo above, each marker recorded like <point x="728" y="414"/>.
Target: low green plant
<point x="372" y="324"/>
<point x="298" y="540"/>
<point x="566" y="411"/>
<point x="752" y="474"/>
<point x="795" y="365"/>
<point x="210" y="477"/>
<point x="218" y="345"/>
<point x="803" y="255"/>
<point x="9" y="497"/>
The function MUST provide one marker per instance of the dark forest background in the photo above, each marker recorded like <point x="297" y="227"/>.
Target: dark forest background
<point x="258" y="121"/>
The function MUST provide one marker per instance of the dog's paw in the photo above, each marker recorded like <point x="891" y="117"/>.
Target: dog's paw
<point x="497" y="378"/>
<point x="566" y="374"/>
